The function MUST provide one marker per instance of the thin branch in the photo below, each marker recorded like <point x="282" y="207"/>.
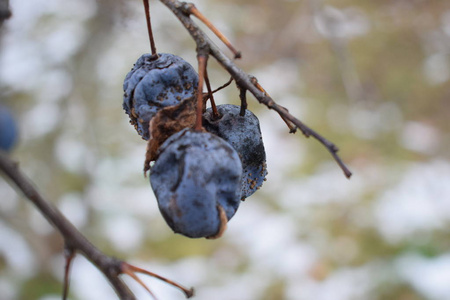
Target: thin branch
<point x="224" y="85"/>
<point x="133" y="269"/>
<point x="292" y="127"/>
<point x="69" y="254"/>
<point x="111" y="267"/>
<point x="182" y="10"/>
<point x="191" y="9"/>
<point x="206" y="95"/>
<point x="210" y="94"/>
<point x="149" y="29"/>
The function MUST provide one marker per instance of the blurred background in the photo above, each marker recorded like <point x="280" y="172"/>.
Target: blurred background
<point x="371" y="76"/>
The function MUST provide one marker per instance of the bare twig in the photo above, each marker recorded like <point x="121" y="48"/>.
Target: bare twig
<point x="206" y="95"/>
<point x="69" y="254"/>
<point x="133" y="269"/>
<point x="191" y="9"/>
<point x="224" y="85"/>
<point x="149" y="29"/>
<point x="210" y="94"/>
<point x="292" y="127"/>
<point x="111" y="267"/>
<point x="183" y="10"/>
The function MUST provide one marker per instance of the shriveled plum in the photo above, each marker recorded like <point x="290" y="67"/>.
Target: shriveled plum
<point x="156" y="82"/>
<point x="197" y="183"/>
<point x="244" y="134"/>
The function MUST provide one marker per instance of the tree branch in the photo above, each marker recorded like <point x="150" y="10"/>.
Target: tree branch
<point x="245" y="81"/>
<point x="111" y="267"/>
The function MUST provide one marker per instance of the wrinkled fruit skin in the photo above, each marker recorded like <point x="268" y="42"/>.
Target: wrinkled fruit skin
<point x="8" y="129"/>
<point x="196" y="172"/>
<point x="244" y="134"/>
<point x="155" y="84"/>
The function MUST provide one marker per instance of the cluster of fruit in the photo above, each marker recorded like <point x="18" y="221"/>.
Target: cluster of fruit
<point x="199" y="176"/>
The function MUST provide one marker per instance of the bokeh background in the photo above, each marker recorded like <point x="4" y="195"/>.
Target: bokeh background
<point x="372" y="76"/>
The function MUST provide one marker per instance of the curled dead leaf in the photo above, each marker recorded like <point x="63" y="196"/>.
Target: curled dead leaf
<point x="167" y="122"/>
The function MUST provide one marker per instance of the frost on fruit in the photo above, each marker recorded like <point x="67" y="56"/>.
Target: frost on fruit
<point x="244" y="134"/>
<point x="153" y="84"/>
<point x="197" y="182"/>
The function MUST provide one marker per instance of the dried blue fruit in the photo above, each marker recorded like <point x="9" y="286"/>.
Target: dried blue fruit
<point x="244" y="134"/>
<point x="197" y="182"/>
<point x="153" y="84"/>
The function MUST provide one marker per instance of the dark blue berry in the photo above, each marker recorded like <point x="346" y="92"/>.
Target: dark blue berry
<point x="197" y="182"/>
<point x="244" y="134"/>
<point x="153" y="84"/>
<point x="8" y="129"/>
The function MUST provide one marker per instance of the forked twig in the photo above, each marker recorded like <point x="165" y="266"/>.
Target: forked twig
<point x="74" y="240"/>
<point x="131" y="271"/>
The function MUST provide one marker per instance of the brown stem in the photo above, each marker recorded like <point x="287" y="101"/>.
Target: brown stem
<point x="149" y="28"/>
<point x="202" y="60"/>
<point x="191" y="9"/>
<point x="224" y="85"/>
<point x="243" y="97"/>
<point x="210" y="94"/>
<point x="206" y="96"/>
<point x="127" y="269"/>
<point x="223" y="223"/>
<point x="69" y="254"/>
<point x="131" y="270"/>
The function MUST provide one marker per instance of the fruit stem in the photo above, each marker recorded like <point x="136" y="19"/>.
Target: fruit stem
<point x="193" y="10"/>
<point x="243" y="97"/>
<point x="223" y="223"/>
<point x="149" y="29"/>
<point x="202" y="59"/>
<point x="69" y="254"/>
<point x="211" y="96"/>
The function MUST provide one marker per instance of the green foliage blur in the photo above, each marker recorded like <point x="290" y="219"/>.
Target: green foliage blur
<point x="371" y="76"/>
